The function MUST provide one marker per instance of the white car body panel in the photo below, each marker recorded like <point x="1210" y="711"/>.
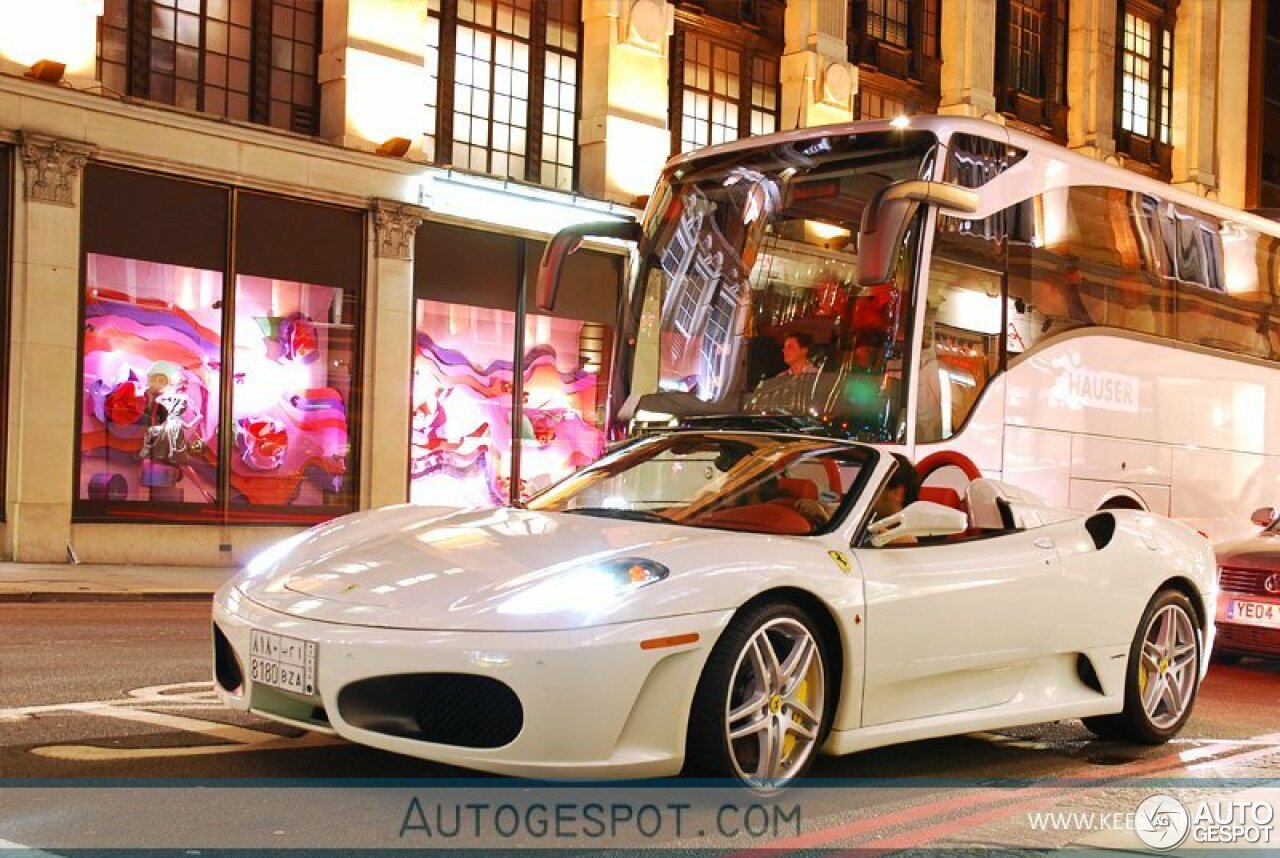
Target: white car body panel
<point x="935" y="639"/>
<point x="987" y="619"/>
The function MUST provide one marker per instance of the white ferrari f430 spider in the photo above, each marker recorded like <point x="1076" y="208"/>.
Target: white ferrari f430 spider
<point x="727" y="603"/>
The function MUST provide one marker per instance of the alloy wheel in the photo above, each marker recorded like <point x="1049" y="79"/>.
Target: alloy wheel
<point x="776" y="702"/>
<point x="1168" y="667"/>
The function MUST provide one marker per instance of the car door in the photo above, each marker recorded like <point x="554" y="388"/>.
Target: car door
<point x="953" y="627"/>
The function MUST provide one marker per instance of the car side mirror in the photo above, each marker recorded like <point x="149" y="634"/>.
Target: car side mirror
<point x="1263" y="516"/>
<point x="922" y="518"/>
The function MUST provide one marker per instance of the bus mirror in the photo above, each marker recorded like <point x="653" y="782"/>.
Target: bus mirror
<point x="885" y="219"/>
<point x="565" y="242"/>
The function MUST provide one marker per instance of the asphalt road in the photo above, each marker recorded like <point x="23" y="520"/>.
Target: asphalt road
<point x="121" y="691"/>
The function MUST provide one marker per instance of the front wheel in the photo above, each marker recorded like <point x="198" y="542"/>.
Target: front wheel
<point x="1163" y="675"/>
<point x="761" y="707"/>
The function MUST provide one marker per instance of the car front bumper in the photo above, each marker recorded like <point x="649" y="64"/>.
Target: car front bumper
<point x="594" y="702"/>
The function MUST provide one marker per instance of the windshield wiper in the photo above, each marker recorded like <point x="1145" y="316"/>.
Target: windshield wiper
<point x="630" y="514"/>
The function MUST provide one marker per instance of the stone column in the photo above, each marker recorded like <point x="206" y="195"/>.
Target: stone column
<point x="624" y="136"/>
<point x="389" y="354"/>
<point x="1235" y="55"/>
<point x="1195" y="89"/>
<point x="968" y="43"/>
<point x="372" y="73"/>
<point x="44" y="379"/>
<point x="818" y="81"/>
<point x="1091" y="76"/>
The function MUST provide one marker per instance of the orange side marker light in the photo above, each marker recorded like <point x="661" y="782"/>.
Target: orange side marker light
<point x="672" y="640"/>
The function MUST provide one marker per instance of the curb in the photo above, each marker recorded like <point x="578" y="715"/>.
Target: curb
<point x="104" y="596"/>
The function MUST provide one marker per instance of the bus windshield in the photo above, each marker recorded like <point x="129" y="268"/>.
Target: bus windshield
<point x="747" y="299"/>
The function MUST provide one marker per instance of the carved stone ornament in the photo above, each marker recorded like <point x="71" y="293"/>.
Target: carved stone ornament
<point x="648" y="24"/>
<point x="53" y="168"/>
<point x="395" y="225"/>
<point x="839" y="84"/>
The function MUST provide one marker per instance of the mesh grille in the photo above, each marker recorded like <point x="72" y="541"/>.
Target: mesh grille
<point x="471" y="711"/>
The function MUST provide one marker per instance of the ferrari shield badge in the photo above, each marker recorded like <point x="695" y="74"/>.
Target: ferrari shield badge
<point x="840" y="560"/>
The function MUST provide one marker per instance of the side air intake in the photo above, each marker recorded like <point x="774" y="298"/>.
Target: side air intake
<point x="1101" y="528"/>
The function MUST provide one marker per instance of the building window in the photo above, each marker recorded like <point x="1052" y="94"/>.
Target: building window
<point x="723" y="92"/>
<point x="895" y="44"/>
<point x="889" y="21"/>
<point x="1145" y="81"/>
<point x="502" y="96"/>
<point x="218" y="368"/>
<point x="252" y="60"/>
<point x="712" y="93"/>
<point x="1031" y="67"/>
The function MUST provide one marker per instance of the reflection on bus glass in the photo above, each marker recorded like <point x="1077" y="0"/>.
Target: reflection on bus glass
<point x="748" y="251"/>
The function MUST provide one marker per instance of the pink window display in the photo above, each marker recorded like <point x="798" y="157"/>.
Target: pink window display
<point x="461" y="443"/>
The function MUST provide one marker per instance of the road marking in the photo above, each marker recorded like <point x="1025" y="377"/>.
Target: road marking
<point x="95" y="753"/>
<point x="140" y="705"/>
<point x="1010" y="801"/>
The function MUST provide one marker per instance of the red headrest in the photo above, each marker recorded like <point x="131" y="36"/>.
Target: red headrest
<point x="943" y="495"/>
<point x="798" y="489"/>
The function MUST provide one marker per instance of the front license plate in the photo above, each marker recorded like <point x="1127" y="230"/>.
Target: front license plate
<point x="282" y="662"/>
<point x="1254" y="613"/>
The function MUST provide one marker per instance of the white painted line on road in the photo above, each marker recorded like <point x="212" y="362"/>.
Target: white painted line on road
<point x="139" y="706"/>
<point x="27" y="851"/>
<point x="95" y="753"/>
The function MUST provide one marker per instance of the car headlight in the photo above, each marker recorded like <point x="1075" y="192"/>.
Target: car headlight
<point x="586" y="588"/>
<point x="266" y="560"/>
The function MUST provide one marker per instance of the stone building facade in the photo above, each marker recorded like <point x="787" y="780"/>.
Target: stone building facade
<point x="251" y="249"/>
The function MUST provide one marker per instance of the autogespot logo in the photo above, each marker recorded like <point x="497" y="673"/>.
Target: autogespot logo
<point x="1162" y="821"/>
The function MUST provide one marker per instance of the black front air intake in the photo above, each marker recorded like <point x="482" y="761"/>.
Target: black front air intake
<point x="459" y="709"/>
<point x="226" y="667"/>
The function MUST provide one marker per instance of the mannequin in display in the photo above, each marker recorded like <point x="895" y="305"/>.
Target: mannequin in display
<point x="164" y="414"/>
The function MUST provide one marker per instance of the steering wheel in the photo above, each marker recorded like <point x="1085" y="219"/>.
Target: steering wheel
<point x="945" y="459"/>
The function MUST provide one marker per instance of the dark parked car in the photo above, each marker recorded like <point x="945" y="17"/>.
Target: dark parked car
<point x="1249" y="607"/>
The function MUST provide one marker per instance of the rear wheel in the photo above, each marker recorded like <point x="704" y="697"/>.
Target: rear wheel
<point x="761" y="709"/>
<point x="1163" y="674"/>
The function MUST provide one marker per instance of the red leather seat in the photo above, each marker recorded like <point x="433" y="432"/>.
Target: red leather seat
<point x="797" y="489"/>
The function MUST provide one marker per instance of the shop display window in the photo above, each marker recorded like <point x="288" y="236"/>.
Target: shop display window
<point x="219" y="374"/>
<point x="291" y="385"/>
<point x="149" y="411"/>
<point x="461" y="446"/>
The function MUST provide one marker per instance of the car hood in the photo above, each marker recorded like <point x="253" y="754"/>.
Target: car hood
<point x="424" y="568"/>
<point x="1258" y="552"/>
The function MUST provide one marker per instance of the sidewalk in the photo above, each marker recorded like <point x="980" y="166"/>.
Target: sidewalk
<point x="65" y="582"/>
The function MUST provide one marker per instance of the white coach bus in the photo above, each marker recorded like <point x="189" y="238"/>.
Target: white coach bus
<point x="947" y="284"/>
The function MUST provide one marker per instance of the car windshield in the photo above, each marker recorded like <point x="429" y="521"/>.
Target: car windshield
<point x="752" y="482"/>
